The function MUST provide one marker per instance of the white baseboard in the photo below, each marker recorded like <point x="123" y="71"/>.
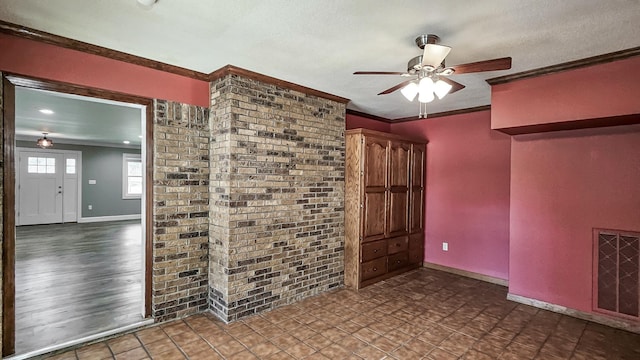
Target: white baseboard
<point x="469" y="274"/>
<point x="597" y="318"/>
<point x="109" y="218"/>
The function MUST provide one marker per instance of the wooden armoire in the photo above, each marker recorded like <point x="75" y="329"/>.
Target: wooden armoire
<point x="384" y="206"/>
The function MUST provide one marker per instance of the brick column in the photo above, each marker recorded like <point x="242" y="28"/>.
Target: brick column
<point x="180" y="209"/>
<point x="277" y="196"/>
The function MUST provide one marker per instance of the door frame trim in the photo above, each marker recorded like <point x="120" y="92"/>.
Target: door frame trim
<point x="10" y="80"/>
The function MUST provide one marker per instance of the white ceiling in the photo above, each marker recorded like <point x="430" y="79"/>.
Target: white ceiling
<point x="320" y="43"/>
<point x="76" y="119"/>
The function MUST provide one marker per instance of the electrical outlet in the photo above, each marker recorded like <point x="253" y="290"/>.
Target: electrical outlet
<point x="90" y="207"/>
<point x="445" y="246"/>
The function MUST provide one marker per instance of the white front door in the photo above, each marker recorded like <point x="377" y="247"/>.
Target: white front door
<point x="40" y="188"/>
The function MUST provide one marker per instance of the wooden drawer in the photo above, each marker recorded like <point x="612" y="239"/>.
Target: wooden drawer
<point x="397" y="244"/>
<point x="415" y="257"/>
<point x="397" y="261"/>
<point x="416" y="248"/>
<point x="373" y="268"/>
<point x="373" y="250"/>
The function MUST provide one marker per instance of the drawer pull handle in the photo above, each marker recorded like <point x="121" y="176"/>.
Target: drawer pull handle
<point x="375" y="251"/>
<point x="398" y="244"/>
<point x="398" y="261"/>
<point x="375" y="269"/>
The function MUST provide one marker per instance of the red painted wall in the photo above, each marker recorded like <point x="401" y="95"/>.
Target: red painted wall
<point x="355" y="121"/>
<point x="563" y="185"/>
<point x="592" y="92"/>
<point x="467" y="192"/>
<point x="32" y="58"/>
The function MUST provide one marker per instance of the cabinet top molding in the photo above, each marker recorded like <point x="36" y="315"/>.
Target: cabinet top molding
<point x="387" y="135"/>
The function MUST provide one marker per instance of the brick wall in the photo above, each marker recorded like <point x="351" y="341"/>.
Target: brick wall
<point x="248" y="200"/>
<point x="277" y="196"/>
<point x="180" y="209"/>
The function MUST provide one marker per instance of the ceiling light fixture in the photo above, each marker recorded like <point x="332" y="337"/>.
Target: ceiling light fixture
<point x="126" y="142"/>
<point x="46" y="111"/>
<point x="43" y="142"/>
<point x="427" y="87"/>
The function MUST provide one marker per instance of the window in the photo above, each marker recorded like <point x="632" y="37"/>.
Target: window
<point x="71" y="166"/>
<point x="41" y="165"/>
<point x="131" y="176"/>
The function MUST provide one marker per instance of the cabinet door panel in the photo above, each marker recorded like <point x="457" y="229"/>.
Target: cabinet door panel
<point x="417" y="208"/>
<point x="375" y="163"/>
<point x="399" y="161"/>
<point x="418" y="153"/>
<point x="374" y="216"/>
<point x="399" y="156"/>
<point x="398" y="213"/>
<point x="416" y="218"/>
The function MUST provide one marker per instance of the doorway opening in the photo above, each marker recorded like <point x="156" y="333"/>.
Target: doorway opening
<point x="78" y="248"/>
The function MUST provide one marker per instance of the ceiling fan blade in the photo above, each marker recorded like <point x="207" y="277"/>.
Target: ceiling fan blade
<point x="392" y="89"/>
<point x="378" y="73"/>
<point x="487" y="65"/>
<point x="456" y="86"/>
<point x="434" y="54"/>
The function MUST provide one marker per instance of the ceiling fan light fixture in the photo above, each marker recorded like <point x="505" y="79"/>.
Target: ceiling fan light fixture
<point x="43" y="142"/>
<point x="426" y="90"/>
<point x="410" y="91"/>
<point x="425" y="85"/>
<point x="426" y="97"/>
<point x="447" y="71"/>
<point x="441" y="88"/>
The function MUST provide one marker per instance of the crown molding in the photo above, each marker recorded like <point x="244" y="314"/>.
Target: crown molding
<point x="444" y="113"/>
<point x="234" y="70"/>
<point x="415" y="118"/>
<point x="368" y="116"/>
<point x="48" y="38"/>
<point x="571" y="65"/>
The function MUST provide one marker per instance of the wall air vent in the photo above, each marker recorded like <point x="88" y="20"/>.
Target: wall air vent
<point x="616" y="282"/>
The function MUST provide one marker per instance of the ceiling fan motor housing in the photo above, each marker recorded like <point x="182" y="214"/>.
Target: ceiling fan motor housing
<point x="423" y="40"/>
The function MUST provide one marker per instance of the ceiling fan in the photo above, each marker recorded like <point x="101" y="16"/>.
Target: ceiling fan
<point x="429" y="74"/>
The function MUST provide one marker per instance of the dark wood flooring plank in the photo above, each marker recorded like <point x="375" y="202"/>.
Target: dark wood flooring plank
<point x="74" y="280"/>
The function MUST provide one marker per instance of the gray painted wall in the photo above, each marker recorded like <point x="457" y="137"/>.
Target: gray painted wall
<point x="103" y="164"/>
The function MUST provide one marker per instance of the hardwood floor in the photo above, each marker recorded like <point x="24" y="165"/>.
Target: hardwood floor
<point x="74" y="280"/>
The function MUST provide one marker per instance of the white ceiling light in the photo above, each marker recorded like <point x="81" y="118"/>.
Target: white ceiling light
<point x="441" y="88"/>
<point x="410" y="91"/>
<point x="426" y="90"/>
<point x="126" y="142"/>
<point x="46" y="111"/>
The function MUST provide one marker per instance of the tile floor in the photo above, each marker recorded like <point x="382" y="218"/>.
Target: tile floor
<point x="422" y="314"/>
